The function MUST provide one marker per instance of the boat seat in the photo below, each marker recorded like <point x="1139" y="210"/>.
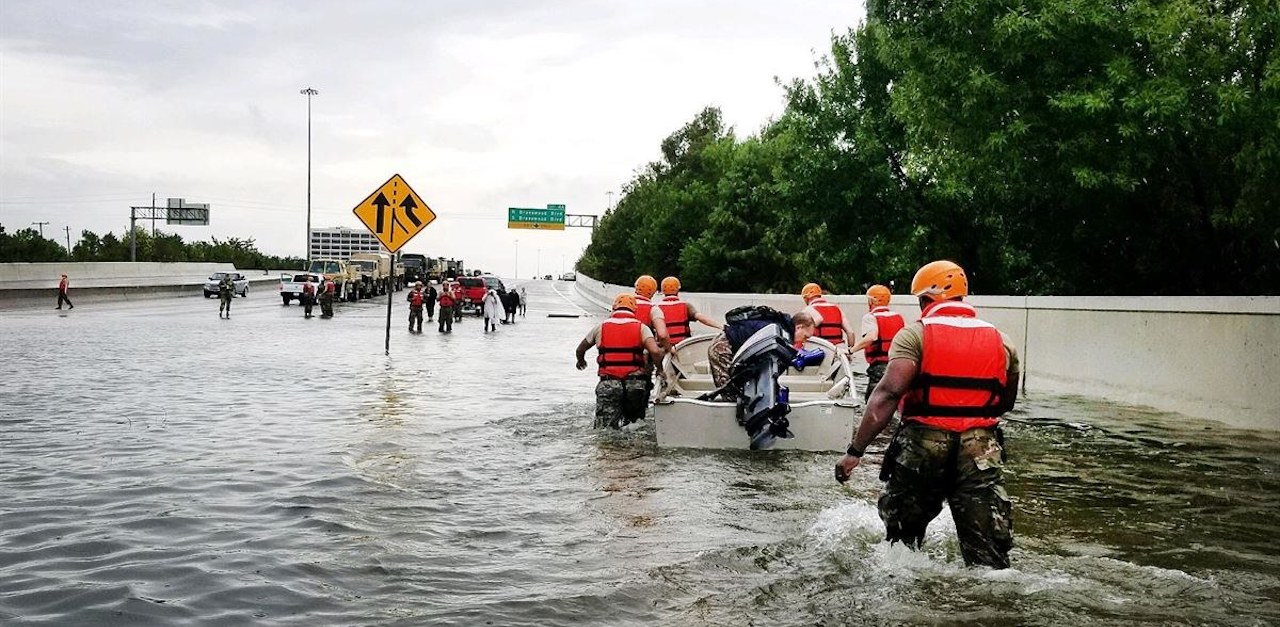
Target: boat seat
<point x="702" y="367"/>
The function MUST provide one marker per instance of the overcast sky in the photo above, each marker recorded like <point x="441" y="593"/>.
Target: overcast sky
<point x="480" y="105"/>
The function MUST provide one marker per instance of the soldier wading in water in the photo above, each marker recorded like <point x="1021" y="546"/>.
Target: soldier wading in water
<point x="622" y="341"/>
<point x="956" y="375"/>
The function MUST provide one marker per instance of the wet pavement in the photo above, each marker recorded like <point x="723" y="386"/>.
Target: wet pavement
<point x="159" y="465"/>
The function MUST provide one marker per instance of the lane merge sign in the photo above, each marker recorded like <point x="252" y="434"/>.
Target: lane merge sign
<point x="394" y="213"/>
<point x="549" y="219"/>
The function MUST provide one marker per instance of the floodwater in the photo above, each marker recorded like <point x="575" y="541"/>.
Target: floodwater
<point x="161" y="466"/>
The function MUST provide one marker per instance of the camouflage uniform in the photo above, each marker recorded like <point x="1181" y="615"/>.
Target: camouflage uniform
<point x="875" y="372"/>
<point x="924" y="466"/>
<point x="226" y="291"/>
<point x="621" y="401"/>
<point x="719" y="357"/>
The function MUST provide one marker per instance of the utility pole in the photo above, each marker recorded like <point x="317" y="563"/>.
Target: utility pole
<point x="41" y="227"/>
<point x="309" y="92"/>
<point x="68" y="230"/>
<point x="610" y="195"/>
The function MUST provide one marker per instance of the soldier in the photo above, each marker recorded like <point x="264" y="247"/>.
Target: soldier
<point x="416" y="300"/>
<point x="447" y="304"/>
<point x="879" y="326"/>
<point x="955" y="375"/>
<point x="308" y="297"/>
<point x="621" y="341"/>
<point x="226" y="291"/>
<point x="326" y="298"/>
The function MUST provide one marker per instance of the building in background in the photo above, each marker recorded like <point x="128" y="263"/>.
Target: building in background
<point x="340" y="242"/>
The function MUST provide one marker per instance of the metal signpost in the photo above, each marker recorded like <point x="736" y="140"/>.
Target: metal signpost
<point x="394" y="213"/>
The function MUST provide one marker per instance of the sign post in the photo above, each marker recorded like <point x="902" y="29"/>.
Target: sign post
<point x="394" y="213"/>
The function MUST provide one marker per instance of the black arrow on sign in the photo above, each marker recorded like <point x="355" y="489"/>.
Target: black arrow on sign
<point x="409" y="205"/>
<point x="381" y="203"/>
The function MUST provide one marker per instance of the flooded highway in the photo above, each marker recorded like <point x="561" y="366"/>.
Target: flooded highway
<point x="161" y="466"/>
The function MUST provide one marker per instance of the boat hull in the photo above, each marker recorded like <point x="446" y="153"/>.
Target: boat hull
<point x="824" y="425"/>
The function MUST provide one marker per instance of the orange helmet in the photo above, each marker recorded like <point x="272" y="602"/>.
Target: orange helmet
<point x="811" y="291"/>
<point x="646" y="286"/>
<point x="879" y="296"/>
<point x="670" y="286"/>
<point x="624" y="301"/>
<point x="940" y="280"/>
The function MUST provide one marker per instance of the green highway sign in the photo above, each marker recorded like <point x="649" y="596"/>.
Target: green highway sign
<point x="551" y="218"/>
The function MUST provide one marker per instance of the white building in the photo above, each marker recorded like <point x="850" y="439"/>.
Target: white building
<point x="340" y="242"/>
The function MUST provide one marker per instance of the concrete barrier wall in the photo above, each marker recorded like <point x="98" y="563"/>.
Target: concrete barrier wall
<point x="1207" y="357"/>
<point x="29" y="285"/>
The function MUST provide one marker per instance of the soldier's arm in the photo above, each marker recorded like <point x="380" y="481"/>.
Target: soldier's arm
<point x="660" y="326"/>
<point x="708" y="320"/>
<point x="581" y="353"/>
<point x="865" y="341"/>
<point x="655" y="353"/>
<point x="897" y="379"/>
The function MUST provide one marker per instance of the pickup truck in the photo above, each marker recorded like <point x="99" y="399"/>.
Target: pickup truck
<point x="241" y="284"/>
<point x="473" y="291"/>
<point x="291" y="286"/>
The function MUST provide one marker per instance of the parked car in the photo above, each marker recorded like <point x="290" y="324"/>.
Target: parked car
<point x="211" y="286"/>
<point x="546" y="277"/>
<point x="473" y="291"/>
<point x="569" y="276"/>
<point x="291" y="285"/>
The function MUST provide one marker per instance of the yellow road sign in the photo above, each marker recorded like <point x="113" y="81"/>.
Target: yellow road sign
<point x="394" y="213"/>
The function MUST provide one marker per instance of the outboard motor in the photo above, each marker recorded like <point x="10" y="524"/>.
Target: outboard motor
<point x="763" y="405"/>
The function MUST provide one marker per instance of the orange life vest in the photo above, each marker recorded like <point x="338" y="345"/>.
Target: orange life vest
<point x="962" y="373"/>
<point x="644" y="311"/>
<point x="621" y="346"/>
<point x="676" y="313"/>
<point x="446" y="299"/>
<point x="888" y="323"/>
<point x="832" y="327"/>
<point x="415" y="299"/>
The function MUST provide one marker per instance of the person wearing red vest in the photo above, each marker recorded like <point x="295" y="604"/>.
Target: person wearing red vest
<point x="621" y="341"/>
<point x="879" y="326"/>
<point x="832" y="325"/>
<point x="308" y="297"/>
<point x="417" y="298"/>
<point x="677" y="314"/>
<point x="955" y="375"/>
<point x="448" y="302"/>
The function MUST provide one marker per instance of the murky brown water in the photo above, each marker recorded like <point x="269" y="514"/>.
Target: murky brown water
<point x="161" y="466"/>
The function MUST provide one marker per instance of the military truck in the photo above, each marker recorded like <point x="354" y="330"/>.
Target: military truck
<point x="416" y="267"/>
<point x="375" y="273"/>
<point x="345" y="277"/>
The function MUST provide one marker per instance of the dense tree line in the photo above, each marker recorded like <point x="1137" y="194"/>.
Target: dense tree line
<point x="1049" y="146"/>
<point x="27" y="245"/>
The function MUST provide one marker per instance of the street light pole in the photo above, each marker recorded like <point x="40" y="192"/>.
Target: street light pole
<point x="309" y="92"/>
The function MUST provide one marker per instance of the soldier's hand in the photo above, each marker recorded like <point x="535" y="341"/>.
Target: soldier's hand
<point x="844" y="467"/>
<point x="582" y="364"/>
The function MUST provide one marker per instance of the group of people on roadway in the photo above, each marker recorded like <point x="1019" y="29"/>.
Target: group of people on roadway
<point x="449" y="299"/>
<point x="949" y="373"/>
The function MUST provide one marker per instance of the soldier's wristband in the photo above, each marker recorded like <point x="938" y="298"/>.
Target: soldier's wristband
<point x="853" y="451"/>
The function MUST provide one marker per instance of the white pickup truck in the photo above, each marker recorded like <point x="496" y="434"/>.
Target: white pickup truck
<point x="291" y="285"/>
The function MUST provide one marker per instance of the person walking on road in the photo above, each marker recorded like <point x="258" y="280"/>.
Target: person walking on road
<point x="62" y="293"/>
<point x="416" y="300"/>
<point x="326" y="298"/>
<point x="429" y="297"/>
<point x="879" y="326"/>
<point x="832" y="325"/>
<point x="524" y="302"/>
<point x="492" y="310"/>
<point x="447" y="304"/>
<point x="226" y="292"/>
<point x="956" y="375"/>
<point x="308" y="297"/>
<point x="622" y="395"/>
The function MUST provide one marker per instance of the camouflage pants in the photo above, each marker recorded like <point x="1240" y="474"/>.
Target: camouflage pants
<point x="929" y="466"/>
<point x="719" y="356"/>
<point x="224" y="303"/>
<point x="875" y="372"/>
<point x="621" y="401"/>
